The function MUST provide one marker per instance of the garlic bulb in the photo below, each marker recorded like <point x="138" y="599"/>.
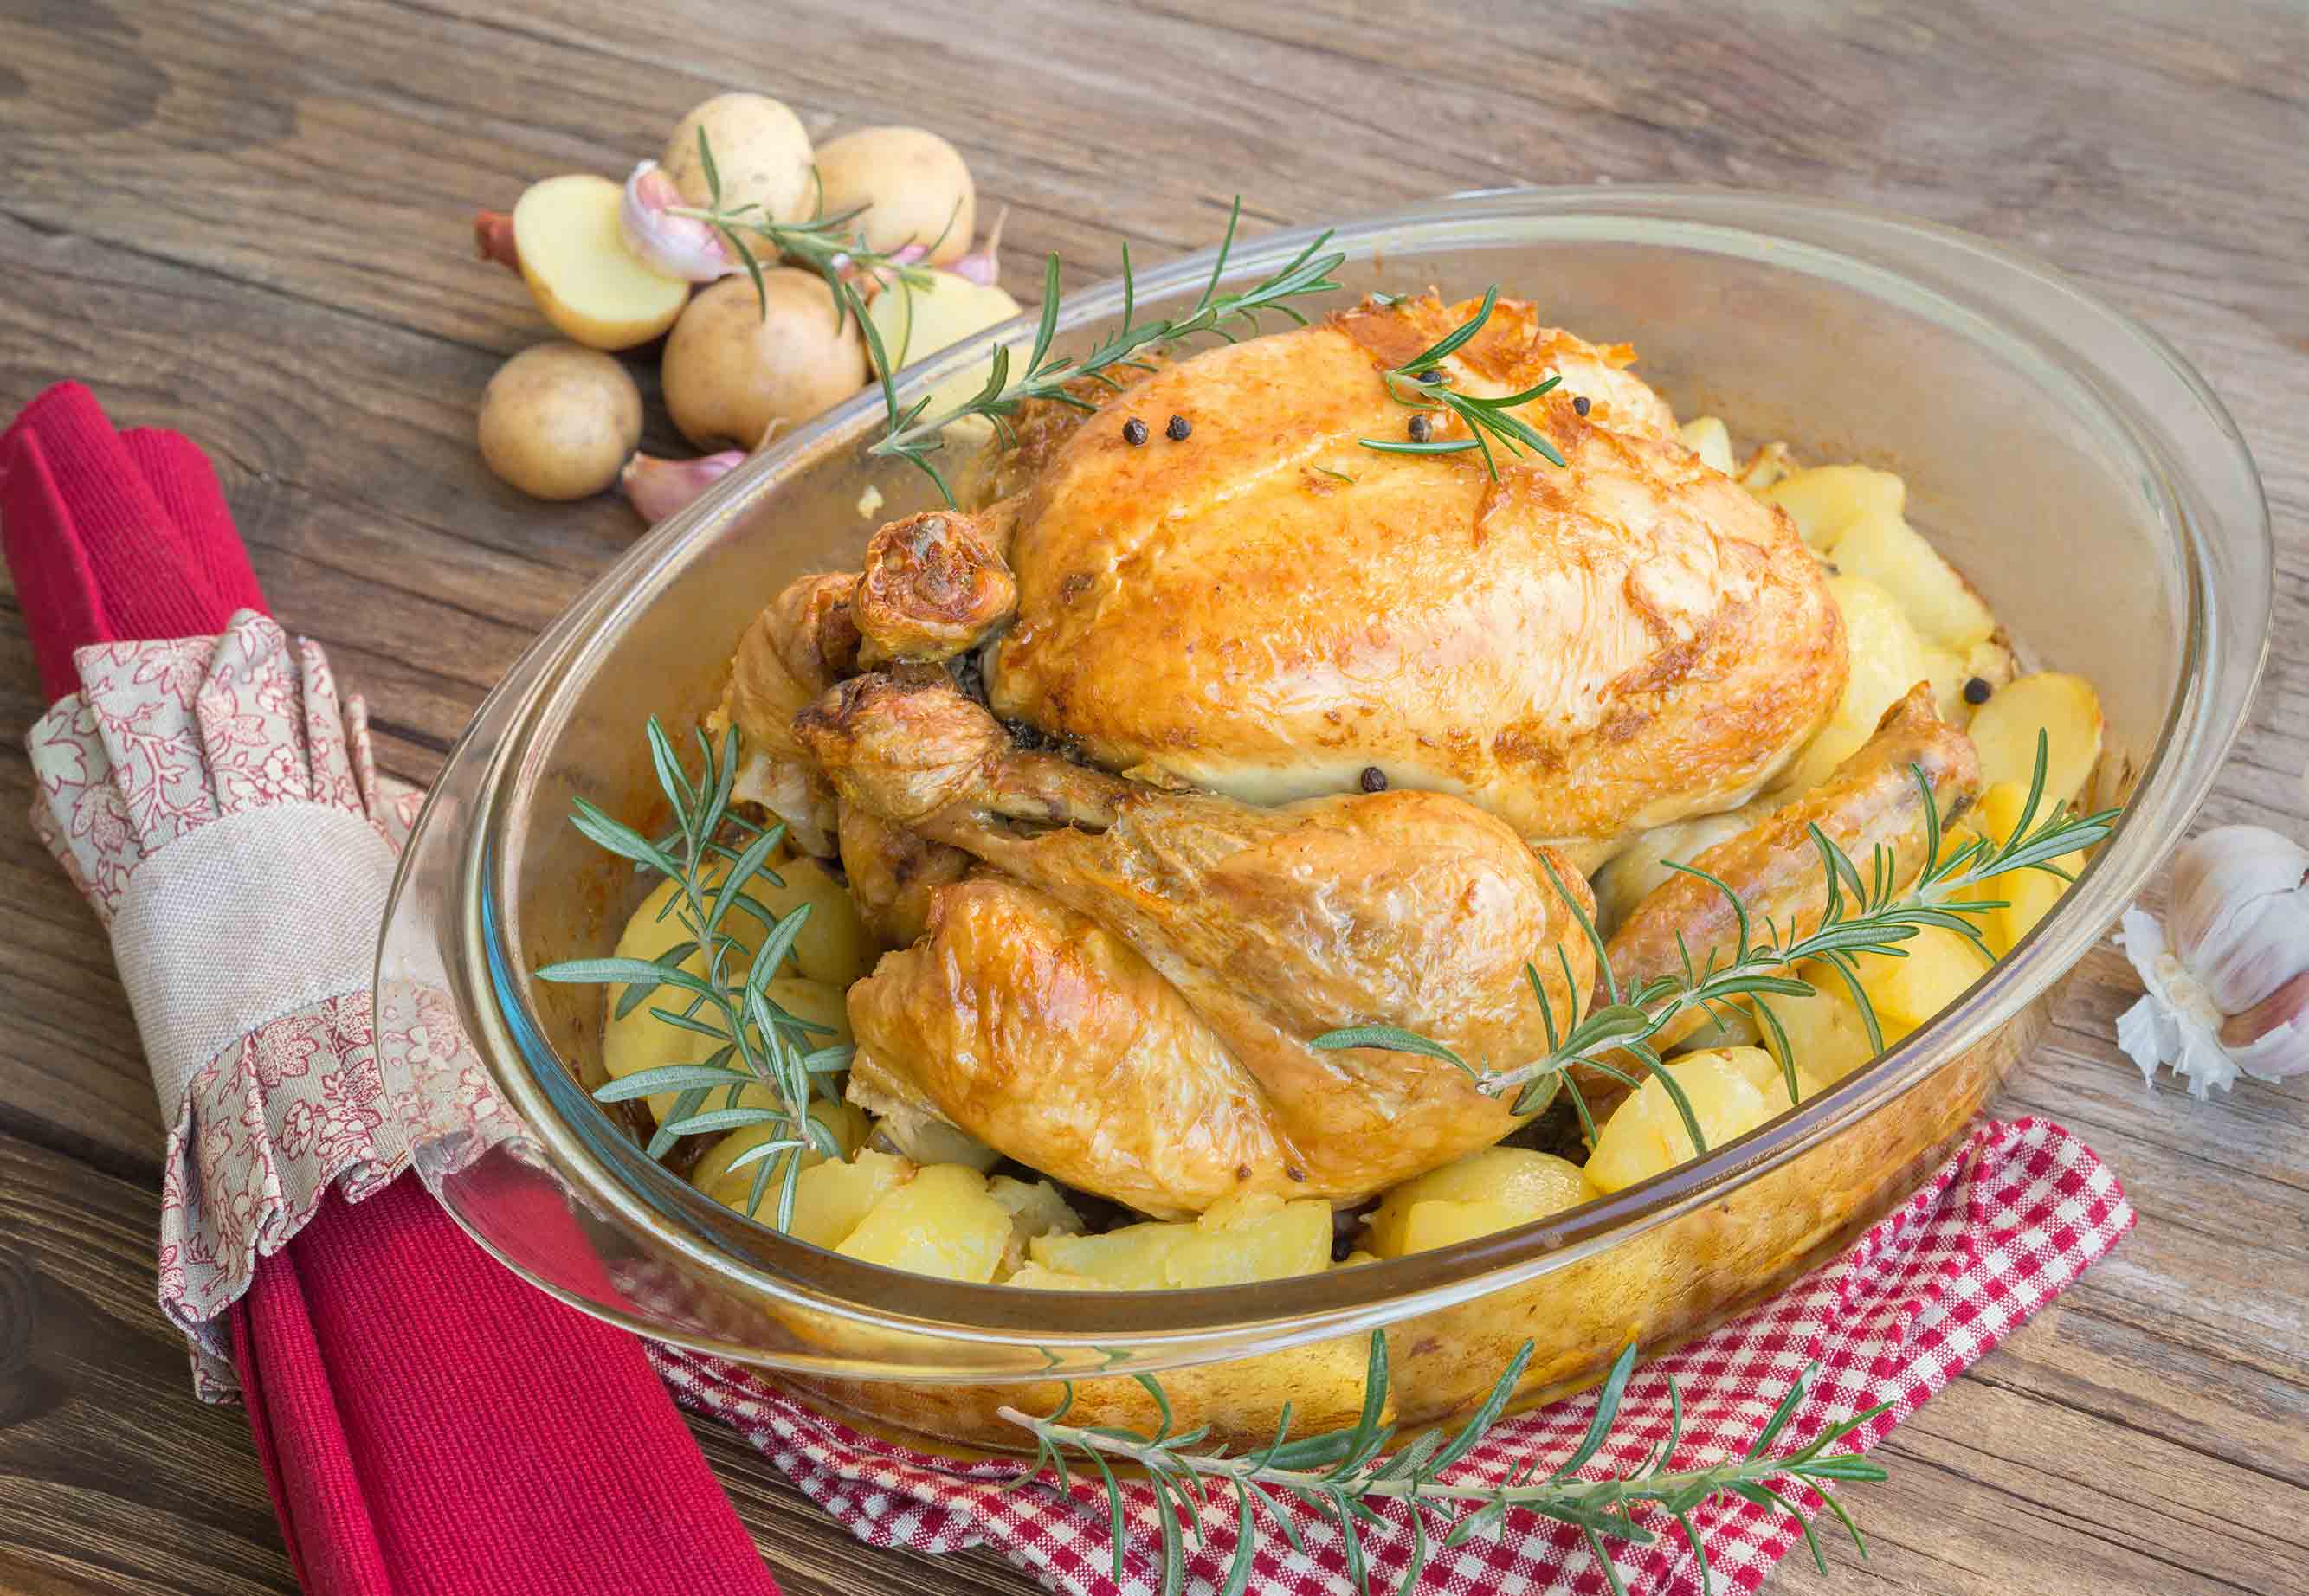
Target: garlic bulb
<point x="680" y="247"/>
<point x="2228" y="975"/>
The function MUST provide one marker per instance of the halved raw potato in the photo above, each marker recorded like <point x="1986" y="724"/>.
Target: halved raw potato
<point x="916" y="321"/>
<point x="1890" y="553"/>
<point x="1887" y="660"/>
<point x="940" y="1223"/>
<point x="2065" y="709"/>
<point x="1732" y="1093"/>
<point x="1827" y="498"/>
<point x="1486" y="1191"/>
<point x="1267" y="1239"/>
<point x="1708" y="437"/>
<point x="1907" y="991"/>
<point x="574" y="258"/>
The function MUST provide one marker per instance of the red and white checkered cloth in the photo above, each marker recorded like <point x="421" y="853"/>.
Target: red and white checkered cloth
<point x="1995" y="1236"/>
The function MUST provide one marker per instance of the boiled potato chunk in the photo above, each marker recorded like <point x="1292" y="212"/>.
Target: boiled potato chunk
<point x="1827" y="498"/>
<point x="1941" y="604"/>
<point x="2064" y="708"/>
<point x="1730" y="1091"/>
<point x="1128" y="1259"/>
<point x="717" y="1179"/>
<point x="574" y="258"/>
<point x="1826" y="1032"/>
<point x="1492" y="1190"/>
<point x="2028" y="895"/>
<point x="1907" y="992"/>
<point x="939" y="1223"/>
<point x="1034" y="1277"/>
<point x="833" y="946"/>
<point x="1243" y="1241"/>
<point x="831" y="1199"/>
<point x="1708" y="437"/>
<point x="1035" y="1209"/>
<point x="1887" y="660"/>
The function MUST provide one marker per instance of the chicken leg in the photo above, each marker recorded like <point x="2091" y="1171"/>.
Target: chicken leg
<point x="1231" y="935"/>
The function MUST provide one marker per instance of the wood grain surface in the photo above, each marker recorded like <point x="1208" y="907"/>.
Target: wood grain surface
<point x="248" y="221"/>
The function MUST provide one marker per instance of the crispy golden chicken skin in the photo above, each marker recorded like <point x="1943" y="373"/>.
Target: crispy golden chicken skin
<point x="1265" y="608"/>
<point x="1228" y="937"/>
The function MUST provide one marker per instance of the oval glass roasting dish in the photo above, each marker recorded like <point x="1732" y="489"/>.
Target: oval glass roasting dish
<point x="2070" y="463"/>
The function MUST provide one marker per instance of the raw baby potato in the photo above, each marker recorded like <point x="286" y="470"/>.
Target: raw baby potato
<point x="909" y="186"/>
<point x="559" y="421"/>
<point x="1732" y="1093"/>
<point x="1492" y="1190"/>
<point x="760" y="150"/>
<point x="732" y="368"/>
<point x="574" y="258"/>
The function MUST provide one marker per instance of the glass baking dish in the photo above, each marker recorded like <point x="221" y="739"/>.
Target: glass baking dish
<point x="2066" y="458"/>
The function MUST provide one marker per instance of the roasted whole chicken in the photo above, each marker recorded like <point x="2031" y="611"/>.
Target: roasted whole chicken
<point x="1184" y="752"/>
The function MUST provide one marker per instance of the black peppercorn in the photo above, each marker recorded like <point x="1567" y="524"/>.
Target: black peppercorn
<point x="1178" y="430"/>
<point x="1134" y="432"/>
<point x="1428" y="376"/>
<point x="1581" y="406"/>
<point x="1374" y="779"/>
<point x="1976" y="690"/>
<point x="1419" y="430"/>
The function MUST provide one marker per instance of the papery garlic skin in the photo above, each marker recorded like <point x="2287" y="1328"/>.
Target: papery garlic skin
<point x="680" y="247"/>
<point x="2227" y="980"/>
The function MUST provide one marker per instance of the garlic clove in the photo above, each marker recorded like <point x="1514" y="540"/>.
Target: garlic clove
<point x="658" y="488"/>
<point x="980" y="265"/>
<point x="2270" y="1039"/>
<point x="682" y="246"/>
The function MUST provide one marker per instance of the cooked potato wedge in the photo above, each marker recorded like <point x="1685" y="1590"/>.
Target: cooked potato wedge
<point x="1940" y="965"/>
<point x="1263" y="1240"/>
<point x="1887" y="660"/>
<point x="1826" y="1033"/>
<point x="942" y="1222"/>
<point x="1941" y="606"/>
<point x="1492" y="1190"/>
<point x="1708" y="437"/>
<point x="1732" y="1091"/>
<point x="1827" y="498"/>
<point x="2063" y="707"/>
<point x="2028" y="895"/>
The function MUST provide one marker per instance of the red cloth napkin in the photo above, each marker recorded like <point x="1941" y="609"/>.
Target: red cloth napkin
<point x="427" y="1423"/>
<point x="1993" y="1236"/>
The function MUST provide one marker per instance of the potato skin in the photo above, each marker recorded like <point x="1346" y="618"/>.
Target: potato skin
<point x="914" y="185"/>
<point x="730" y="370"/>
<point x="760" y="148"/>
<point x="559" y="421"/>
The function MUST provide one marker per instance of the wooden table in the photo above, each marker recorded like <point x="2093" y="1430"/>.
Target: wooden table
<point x="249" y="222"/>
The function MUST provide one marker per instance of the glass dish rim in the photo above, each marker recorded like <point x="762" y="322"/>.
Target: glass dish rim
<point x="1224" y="1321"/>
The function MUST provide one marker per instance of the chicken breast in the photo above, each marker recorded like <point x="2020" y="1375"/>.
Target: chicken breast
<point x="1266" y="608"/>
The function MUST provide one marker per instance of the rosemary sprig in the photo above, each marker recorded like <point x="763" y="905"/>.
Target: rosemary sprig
<point x="914" y="435"/>
<point x="1863" y="914"/>
<point x="828" y="244"/>
<point x="1422" y="383"/>
<point x="1347" y="1475"/>
<point x="715" y="856"/>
